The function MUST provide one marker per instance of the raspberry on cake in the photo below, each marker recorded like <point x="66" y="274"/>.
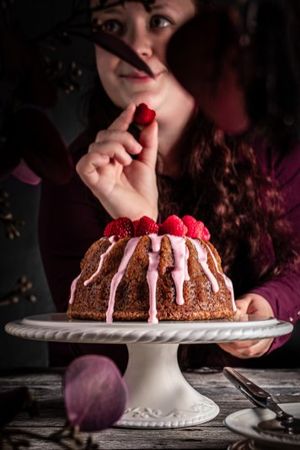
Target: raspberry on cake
<point x="149" y="272"/>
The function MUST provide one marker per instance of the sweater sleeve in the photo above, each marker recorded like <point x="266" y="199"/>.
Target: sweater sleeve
<point x="283" y="291"/>
<point x="70" y="220"/>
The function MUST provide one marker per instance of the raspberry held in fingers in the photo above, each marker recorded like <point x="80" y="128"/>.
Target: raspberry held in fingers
<point x="143" y="115"/>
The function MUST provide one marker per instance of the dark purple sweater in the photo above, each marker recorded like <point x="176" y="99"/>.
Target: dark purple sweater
<point x="283" y="292"/>
<point x="71" y="219"/>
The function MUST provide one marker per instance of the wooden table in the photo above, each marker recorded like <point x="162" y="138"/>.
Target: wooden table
<point x="46" y="386"/>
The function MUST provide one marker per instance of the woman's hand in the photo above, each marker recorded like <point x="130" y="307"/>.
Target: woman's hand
<point x="126" y="187"/>
<point x="250" y="304"/>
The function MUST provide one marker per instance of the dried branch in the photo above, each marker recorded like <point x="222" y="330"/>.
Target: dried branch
<point x="11" y="224"/>
<point x="22" y="290"/>
<point x="68" y="438"/>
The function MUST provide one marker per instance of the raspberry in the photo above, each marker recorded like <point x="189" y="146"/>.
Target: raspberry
<point x="146" y="226"/>
<point x="135" y="225"/>
<point x="121" y="227"/>
<point x="108" y="229"/>
<point x="201" y="232"/>
<point x="196" y="228"/>
<point x="205" y="234"/>
<point x="173" y="225"/>
<point x="191" y="223"/>
<point x="143" y="115"/>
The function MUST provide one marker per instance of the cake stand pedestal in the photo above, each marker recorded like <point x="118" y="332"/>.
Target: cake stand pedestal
<point x="159" y="395"/>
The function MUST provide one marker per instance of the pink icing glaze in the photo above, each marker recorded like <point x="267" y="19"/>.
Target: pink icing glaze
<point x="228" y="282"/>
<point x="129" y="249"/>
<point x="202" y="258"/>
<point x="102" y="257"/>
<point x="152" y="276"/>
<point x="179" y="273"/>
<point x="73" y="287"/>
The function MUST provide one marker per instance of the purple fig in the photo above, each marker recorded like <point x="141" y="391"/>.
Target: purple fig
<point x="95" y="393"/>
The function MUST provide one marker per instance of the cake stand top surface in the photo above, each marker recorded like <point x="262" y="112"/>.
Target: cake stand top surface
<point x="57" y="327"/>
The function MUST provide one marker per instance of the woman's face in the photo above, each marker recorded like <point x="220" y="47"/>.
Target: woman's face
<point x="148" y="34"/>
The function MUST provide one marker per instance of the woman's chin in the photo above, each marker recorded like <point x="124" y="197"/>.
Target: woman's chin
<point x="146" y="98"/>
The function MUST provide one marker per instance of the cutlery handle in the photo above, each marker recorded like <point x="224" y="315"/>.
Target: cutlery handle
<point x="254" y="393"/>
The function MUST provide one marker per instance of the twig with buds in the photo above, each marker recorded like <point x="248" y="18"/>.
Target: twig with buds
<point x="10" y="223"/>
<point x="21" y="290"/>
<point x="68" y="438"/>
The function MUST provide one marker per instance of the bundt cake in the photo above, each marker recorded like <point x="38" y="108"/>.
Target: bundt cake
<point x="148" y="272"/>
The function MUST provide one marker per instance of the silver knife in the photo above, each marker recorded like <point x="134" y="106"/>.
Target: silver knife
<point x="283" y="422"/>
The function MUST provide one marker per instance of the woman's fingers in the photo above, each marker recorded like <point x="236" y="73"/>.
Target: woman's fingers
<point x="124" y="138"/>
<point x="114" y="150"/>
<point x="149" y="141"/>
<point x="253" y="348"/>
<point x="243" y="304"/>
<point x="240" y="344"/>
<point x="124" y="120"/>
<point x="99" y="156"/>
<point x="247" y="349"/>
<point x="88" y="167"/>
<point x="117" y="132"/>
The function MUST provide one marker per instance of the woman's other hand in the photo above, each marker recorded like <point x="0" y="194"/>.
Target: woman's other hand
<point x="126" y="187"/>
<point x="257" y="305"/>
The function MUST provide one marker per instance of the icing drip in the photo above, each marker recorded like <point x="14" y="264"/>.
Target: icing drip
<point x="152" y="276"/>
<point x="227" y="281"/>
<point x="73" y="287"/>
<point x="179" y="274"/>
<point x="129" y="249"/>
<point x="86" y="282"/>
<point x="202" y="257"/>
<point x="111" y="240"/>
<point x="229" y="286"/>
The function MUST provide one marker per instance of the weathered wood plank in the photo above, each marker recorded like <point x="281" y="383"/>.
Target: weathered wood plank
<point x="118" y="438"/>
<point x="46" y="387"/>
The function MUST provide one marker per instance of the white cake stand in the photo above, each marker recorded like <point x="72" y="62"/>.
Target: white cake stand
<point x="159" y="395"/>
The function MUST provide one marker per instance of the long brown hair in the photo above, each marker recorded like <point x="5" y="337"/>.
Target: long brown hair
<point x="223" y="184"/>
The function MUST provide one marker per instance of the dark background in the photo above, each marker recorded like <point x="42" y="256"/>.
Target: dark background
<point x="21" y="256"/>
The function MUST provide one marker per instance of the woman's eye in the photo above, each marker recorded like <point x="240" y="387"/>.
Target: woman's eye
<point x="112" y="26"/>
<point x="160" y="22"/>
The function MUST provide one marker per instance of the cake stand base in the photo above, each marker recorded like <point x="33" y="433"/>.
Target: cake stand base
<point x="159" y="396"/>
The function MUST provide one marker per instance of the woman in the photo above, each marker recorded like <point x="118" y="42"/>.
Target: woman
<point x="180" y="164"/>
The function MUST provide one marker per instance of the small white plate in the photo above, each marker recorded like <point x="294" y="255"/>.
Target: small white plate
<point x="244" y="421"/>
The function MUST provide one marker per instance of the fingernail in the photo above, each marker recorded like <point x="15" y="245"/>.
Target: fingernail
<point x="137" y="149"/>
